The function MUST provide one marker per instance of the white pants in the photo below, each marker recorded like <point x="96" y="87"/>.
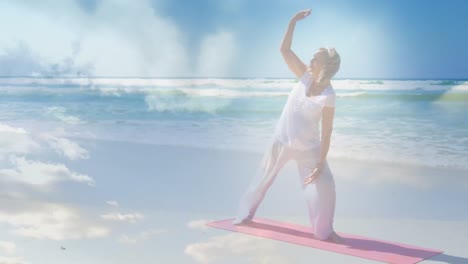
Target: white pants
<point x="320" y="194"/>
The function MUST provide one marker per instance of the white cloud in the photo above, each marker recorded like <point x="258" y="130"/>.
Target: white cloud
<point x="19" y="61"/>
<point x="40" y="173"/>
<point x="217" y="248"/>
<point x="11" y="260"/>
<point x="198" y="224"/>
<point x="131" y="218"/>
<point x="216" y="55"/>
<point x="144" y="235"/>
<point x="7" y="247"/>
<point x="42" y="220"/>
<point x="66" y="147"/>
<point x="148" y="46"/>
<point x="110" y="39"/>
<point x="125" y="239"/>
<point x="112" y="203"/>
<point x="15" y="140"/>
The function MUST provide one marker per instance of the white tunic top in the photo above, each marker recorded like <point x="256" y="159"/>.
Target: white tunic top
<point x="298" y="125"/>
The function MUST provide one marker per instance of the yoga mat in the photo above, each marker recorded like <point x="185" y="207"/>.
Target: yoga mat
<point x="354" y="245"/>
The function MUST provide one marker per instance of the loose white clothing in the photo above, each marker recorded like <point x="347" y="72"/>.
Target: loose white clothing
<point x="298" y="125"/>
<point x="297" y="138"/>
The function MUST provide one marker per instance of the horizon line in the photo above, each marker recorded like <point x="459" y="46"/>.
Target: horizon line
<point x="232" y="77"/>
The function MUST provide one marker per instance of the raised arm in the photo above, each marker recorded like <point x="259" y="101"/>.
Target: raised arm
<point x="291" y="59"/>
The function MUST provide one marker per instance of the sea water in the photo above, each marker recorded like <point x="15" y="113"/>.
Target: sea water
<point x="422" y="122"/>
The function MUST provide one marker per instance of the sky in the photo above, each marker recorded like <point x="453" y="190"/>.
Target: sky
<point x="106" y="202"/>
<point x="230" y="39"/>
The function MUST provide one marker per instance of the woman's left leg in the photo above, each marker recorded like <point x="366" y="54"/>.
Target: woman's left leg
<point x="320" y="196"/>
<point x="273" y="161"/>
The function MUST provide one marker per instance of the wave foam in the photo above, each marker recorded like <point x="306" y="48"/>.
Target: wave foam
<point x="256" y="83"/>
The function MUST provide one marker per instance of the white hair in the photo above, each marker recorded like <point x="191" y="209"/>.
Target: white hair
<point x="330" y="66"/>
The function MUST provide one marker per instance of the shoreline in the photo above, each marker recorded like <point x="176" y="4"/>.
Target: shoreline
<point x="165" y="176"/>
<point x="255" y="153"/>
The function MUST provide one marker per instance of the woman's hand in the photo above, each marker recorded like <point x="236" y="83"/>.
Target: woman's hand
<point x="312" y="176"/>
<point x="301" y="15"/>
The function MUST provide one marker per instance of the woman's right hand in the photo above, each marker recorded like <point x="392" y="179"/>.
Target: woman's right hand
<point x="301" y="15"/>
<point x="312" y="176"/>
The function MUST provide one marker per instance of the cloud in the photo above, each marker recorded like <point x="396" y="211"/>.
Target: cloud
<point x="217" y="52"/>
<point x="131" y="218"/>
<point x="7" y="247"/>
<point x="47" y="49"/>
<point x="124" y="239"/>
<point x="21" y="60"/>
<point x="142" y="236"/>
<point x="20" y="175"/>
<point x="112" y="203"/>
<point x="234" y="245"/>
<point x="42" y="220"/>
<point x="103" y="38"/>
<point x="41" y="174"/>
<point x="108" y="41"/>
<point x="29" y="217"/>
<point x="198" y="224"/>
<point x="153" y="38"/>
<point x="11" y="260"/>
<point x="67" y="148"/>
<point x="15" y="140"/>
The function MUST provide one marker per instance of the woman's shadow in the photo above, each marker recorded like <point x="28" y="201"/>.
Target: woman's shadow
<point x="450" y="259"/>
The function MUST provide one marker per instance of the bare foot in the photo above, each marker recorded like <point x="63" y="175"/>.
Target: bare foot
<point x="336" y="238"/>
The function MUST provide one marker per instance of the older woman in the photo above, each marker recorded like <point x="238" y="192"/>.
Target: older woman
<point x="297" y="137"/>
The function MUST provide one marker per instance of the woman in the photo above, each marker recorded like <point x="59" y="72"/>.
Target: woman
<point x="297" y="137"/>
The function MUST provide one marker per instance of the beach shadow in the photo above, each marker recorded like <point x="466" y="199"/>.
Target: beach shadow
<point x="449" y="259"/>
<point x="361" y="243"/>
<point x="372" y="245"/>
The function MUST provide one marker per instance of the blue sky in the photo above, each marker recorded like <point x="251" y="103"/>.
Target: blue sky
<point x="121" y="202"/>
<point x="162" y="38"/>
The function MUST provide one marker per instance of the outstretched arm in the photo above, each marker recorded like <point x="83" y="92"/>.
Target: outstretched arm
<point x="291" y="59"/>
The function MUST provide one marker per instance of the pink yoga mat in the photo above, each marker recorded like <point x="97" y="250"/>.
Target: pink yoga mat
<point x="354" y="245"/>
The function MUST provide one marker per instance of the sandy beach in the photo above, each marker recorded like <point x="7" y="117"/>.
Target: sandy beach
<point x="177" y="189"/>
<point x="126" y="127"/>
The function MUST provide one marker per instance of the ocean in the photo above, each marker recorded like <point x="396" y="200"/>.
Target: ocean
<point x="138" y="166"/>
<point x="419" y="122"/>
